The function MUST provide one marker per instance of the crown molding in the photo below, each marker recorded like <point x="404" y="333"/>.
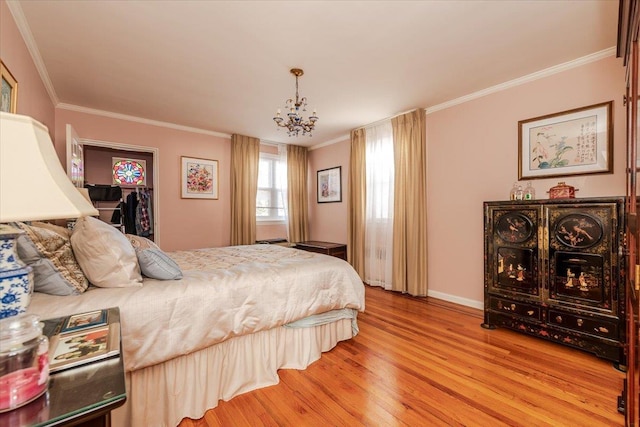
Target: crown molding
<point x="25" y="31"/>
<point x="498" y="88"/>
<point x="27" y="36"/>
<point x="129" y="118"/>
<point x="597" y="56"/>
<point x="526" y="79"/>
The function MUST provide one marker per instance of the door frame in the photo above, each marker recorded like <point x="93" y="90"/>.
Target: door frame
<point x="156" y="175"/>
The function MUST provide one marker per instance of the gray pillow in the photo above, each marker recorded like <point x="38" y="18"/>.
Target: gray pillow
<point x="47" y="249"/>
<point x="157" y="265"/>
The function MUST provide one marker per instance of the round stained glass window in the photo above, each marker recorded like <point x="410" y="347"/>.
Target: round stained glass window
<point x="129" y="172"/>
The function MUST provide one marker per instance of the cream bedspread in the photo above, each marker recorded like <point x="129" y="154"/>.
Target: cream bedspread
<point x="225" y="292"/>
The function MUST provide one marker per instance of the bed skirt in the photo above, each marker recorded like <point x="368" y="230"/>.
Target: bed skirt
<point x="162" y="395"/>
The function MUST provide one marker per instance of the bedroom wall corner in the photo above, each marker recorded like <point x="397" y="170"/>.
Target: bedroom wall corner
<point x="328" y="221"/>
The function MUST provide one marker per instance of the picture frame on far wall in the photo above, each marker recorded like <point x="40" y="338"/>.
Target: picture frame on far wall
<point x="199" y="178"/>
<point x="572" y="142"/>
<point x="330" y="185"/>
<point x="8" y="90"/>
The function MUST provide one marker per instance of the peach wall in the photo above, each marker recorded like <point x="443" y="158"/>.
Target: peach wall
<point x="328" y="221"/>
<point x="33" y="99"/>
<point x="183" y="223"/>
<point x="473" y="157"/>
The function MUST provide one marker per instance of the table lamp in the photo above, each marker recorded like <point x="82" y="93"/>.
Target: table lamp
<point x="33" y="186"/>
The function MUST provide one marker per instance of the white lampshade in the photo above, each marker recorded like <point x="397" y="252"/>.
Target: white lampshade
<point x="33" y="184"/>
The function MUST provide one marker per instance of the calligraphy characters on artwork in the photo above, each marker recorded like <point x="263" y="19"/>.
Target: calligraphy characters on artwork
<point x="573" y="142"/>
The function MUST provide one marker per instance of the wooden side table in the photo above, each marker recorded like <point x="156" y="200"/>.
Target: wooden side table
<point x="79" y="396"/>
<point x="338" y="250"/>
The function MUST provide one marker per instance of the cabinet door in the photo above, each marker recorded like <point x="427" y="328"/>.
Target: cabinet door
<point x="582" y="248"/>
<point x="512" y="263"/>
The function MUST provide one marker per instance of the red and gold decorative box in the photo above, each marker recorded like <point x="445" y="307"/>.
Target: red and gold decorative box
<point x="562" y="191"/>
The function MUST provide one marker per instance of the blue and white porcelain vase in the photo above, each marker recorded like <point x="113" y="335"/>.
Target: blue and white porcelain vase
<point x="16" y="278"/>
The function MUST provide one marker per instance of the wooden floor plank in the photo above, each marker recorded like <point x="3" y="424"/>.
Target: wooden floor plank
<point x="423" y="361"/>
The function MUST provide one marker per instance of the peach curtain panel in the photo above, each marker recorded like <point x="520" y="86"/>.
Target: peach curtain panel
<point x="357" y="201"/>
<point x="245" y="157"/>
<point x="410" y="205"/>
<point x="297" y="194"/>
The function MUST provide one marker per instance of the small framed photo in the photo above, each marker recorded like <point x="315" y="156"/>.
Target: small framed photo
<point x="199" y="178"/>
<point x="330" y="185"/>
<point x="573" y="142"/>
<point x="8" y="90"/>
<point x="81" y="321"/>
<point x="80" y="347"/>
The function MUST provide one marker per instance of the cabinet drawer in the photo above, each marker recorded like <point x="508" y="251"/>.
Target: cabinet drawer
<point x="528" y="311"/>
<point x="587" y="325"/>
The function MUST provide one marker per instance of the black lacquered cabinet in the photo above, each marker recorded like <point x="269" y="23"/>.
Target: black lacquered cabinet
<point x="553" y="270"/>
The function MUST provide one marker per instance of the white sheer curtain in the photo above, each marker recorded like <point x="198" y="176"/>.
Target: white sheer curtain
<point x="281" y="184"/>
<point x="379" y="205"/>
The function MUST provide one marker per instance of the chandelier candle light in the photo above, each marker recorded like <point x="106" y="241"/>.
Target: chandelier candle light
<point x="294" y="121"/>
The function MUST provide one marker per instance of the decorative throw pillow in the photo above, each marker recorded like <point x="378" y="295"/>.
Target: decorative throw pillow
<point x="105" y="254"/>
<point x="153" y="262"/>
<point x="47" y="249"/>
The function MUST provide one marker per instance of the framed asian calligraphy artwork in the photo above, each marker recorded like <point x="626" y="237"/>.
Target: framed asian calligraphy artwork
<point x="573" y="142"/>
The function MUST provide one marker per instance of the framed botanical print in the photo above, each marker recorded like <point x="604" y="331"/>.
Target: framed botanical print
<point x="199" y="178"/>
<point x="573" y="142"/>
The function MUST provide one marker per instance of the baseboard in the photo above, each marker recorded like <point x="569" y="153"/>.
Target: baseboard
<point x="457" y="300"/>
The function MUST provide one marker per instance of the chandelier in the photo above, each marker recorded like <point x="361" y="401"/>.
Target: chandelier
<point x="294" y="122"/>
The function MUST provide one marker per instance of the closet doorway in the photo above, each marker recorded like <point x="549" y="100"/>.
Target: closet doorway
<point x="90" y="162"/>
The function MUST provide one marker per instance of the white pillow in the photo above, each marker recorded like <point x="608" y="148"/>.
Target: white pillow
<point x="105" y="254"/>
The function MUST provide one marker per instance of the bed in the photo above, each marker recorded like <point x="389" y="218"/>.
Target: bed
<point x="237" y="315"/>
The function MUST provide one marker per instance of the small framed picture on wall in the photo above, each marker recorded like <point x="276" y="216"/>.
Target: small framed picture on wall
<point x="330" y="185"/>
<point x="8" y="90"/>
<point x="199" y="178"/>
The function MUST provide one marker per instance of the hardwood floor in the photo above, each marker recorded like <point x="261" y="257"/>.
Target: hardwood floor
<point x="426" y="362"/>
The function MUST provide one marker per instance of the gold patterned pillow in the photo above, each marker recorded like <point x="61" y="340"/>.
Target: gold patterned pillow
<point x="47" y="249"/>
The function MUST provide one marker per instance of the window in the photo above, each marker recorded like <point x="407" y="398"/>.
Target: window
<point x="378" y="246"/>
<point x="271" y="176"/>
<point x="380" y="172"/>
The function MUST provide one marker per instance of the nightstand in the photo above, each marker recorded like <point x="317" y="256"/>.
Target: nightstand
<point x="338" y="250"/>
<point x="79" y="396"/>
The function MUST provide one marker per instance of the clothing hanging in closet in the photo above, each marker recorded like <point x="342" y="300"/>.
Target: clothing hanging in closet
<point x="138" y="216"/>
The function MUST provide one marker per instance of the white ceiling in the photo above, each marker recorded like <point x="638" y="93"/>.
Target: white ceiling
<point x="223" y="66"/>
